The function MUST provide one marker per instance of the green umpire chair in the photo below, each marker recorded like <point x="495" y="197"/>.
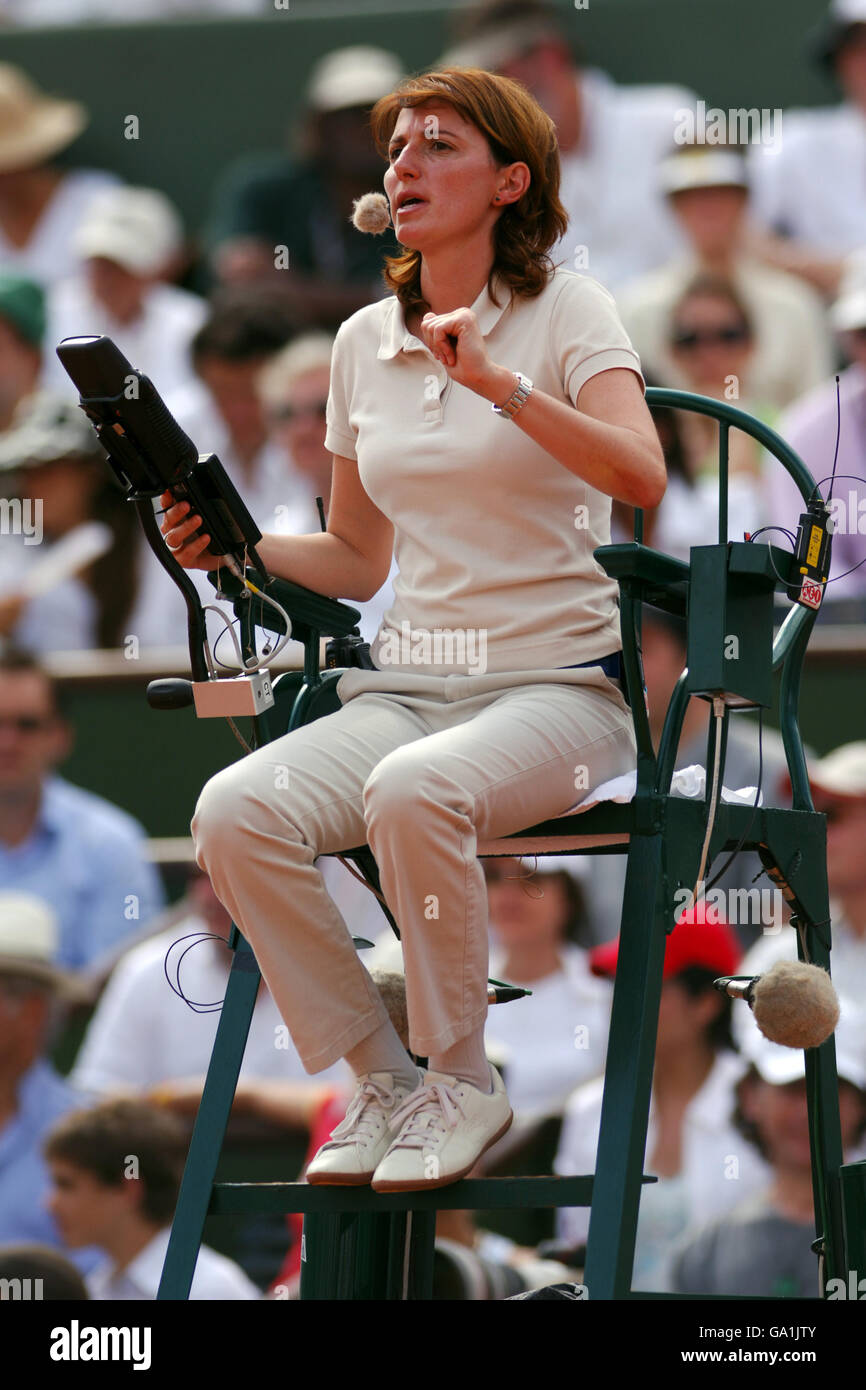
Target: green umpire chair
<point x="359" y="1244"/>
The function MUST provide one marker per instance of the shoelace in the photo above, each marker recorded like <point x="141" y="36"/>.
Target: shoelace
<point x="356" y="1124"/>
<point x="422" y="1115"/>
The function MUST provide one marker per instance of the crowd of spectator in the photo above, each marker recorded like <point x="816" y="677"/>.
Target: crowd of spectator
<point x="740" y="273"/>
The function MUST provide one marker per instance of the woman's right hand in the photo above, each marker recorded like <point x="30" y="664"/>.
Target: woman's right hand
<point x="178" y="525"/>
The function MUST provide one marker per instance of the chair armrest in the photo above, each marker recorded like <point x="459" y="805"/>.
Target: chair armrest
<point x="661" y="580"/>
<point x="326" y="615"/>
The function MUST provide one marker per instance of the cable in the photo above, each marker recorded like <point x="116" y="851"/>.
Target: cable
<point x="216" y="644"/>
<point x="347" y="864"/>
<point x="217" y="1004"/>
<point x="718" y="714"/>
<point x="850" y="571"/>
<point x="242" y="669"/>
<point x="745" y="835"/>
<point x="791" y="537"/>
<point x="838" y="437"/>
<point x="267" y="598"/>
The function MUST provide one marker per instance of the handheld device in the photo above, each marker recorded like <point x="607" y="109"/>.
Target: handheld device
<point x="150" y="453"/>
<point x="811" y="555"/>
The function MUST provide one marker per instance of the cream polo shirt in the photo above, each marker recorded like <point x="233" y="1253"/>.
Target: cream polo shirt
<point x="493" y="537"/>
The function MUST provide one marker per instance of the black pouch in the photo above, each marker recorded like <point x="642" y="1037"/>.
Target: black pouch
<point x="348" y="651"/>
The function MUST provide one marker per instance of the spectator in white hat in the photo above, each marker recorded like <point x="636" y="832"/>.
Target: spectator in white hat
<point x="611" y="138"/>
<point x="762" y="1248"/>
<point x="838" y="784"/>
<point x="32" y="1094"/>
<point x="68" y="576"/>
<point x="810" y="427"/>
<point x="809" y="196"/>
<point x="707" y="188"/>
<point x="40" y="205"/>
<point x="130" y="243"/>
<point x="285" y="218"/>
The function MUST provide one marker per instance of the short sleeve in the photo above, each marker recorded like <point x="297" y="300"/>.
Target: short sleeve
<point x="339" y="435"/>
<point x="587" y="335"/>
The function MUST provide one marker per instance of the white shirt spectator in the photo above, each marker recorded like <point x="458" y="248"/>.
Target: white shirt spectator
<point x="48" y="255"/>
<point x="689" y="516"/>
<point x="554" y="1039"/>
<point x="719" y="1168"/>
<point x="610" y="188"/>
<point x="216" y="1277"/>
<point x="156" y="344"/>
<point x="811" y="185"/>
<point x="793" y="350"/>
<point x="142" y="1033"/>
<point x="300" y="519"/>
<point x="274" y="488"/>
<point x="281" y="500"/>
<point x="62" y="620"/>
<point x="810" y="426"/>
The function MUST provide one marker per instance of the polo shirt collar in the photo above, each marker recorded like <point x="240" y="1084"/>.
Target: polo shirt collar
<point x="395" y="335"/>
<point x="145" y="1271"/>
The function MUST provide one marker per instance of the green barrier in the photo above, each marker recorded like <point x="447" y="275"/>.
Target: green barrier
<point x="208" y="92"/>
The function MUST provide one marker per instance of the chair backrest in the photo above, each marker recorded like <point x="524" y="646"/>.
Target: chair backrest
<point x="738" y="581"/>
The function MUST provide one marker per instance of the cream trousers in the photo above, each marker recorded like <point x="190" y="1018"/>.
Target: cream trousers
<point x="418" y="767"/>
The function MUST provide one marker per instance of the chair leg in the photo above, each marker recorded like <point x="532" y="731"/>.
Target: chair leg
<point x="211" y="1124"/>
<point x="628" y="1076"/>
<point x="368" y="1256"/>
<point x="825" y="1135"/>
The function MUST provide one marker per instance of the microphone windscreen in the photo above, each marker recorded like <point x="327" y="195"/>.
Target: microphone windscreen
<point x="371" y="213"/>
<point x="796" y="1004"/>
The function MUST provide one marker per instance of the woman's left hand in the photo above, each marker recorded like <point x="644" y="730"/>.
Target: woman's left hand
<point x="457" y="342"/>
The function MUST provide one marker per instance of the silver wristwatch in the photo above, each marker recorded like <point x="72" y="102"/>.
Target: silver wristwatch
<point x="517" y="399"/>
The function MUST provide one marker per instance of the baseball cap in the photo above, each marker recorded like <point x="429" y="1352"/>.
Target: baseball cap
<point x="708" y="945"/>
<point x="22" y="304"/>
<point x="698" y="167"/>
<point x="848" y="310"/>
<point x="842" y="772"/>
<point x="46" y="428"/>
<point x="355" y="76"/>
<point x="500" y="43"/>
<point x="29" y="940"/>
<point x="136" y="227"/>
<point x="834" y="28"/>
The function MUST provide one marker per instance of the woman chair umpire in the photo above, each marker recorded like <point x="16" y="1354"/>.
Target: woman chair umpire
<point x="480" y="418"/>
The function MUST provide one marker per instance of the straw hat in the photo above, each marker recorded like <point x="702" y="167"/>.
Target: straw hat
<point x="33" y="126"/>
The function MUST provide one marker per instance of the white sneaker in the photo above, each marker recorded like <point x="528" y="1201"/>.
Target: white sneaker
<point x="443" y="1129"/>
<point x="349" y="1158"/>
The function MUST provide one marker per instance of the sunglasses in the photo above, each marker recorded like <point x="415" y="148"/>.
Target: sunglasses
<point x="282" y="413"/>
<point x="26" y="723"/>
<point x="689" y="338"/>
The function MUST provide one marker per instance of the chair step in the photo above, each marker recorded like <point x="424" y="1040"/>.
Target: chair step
<point x="470" y="1194"/>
